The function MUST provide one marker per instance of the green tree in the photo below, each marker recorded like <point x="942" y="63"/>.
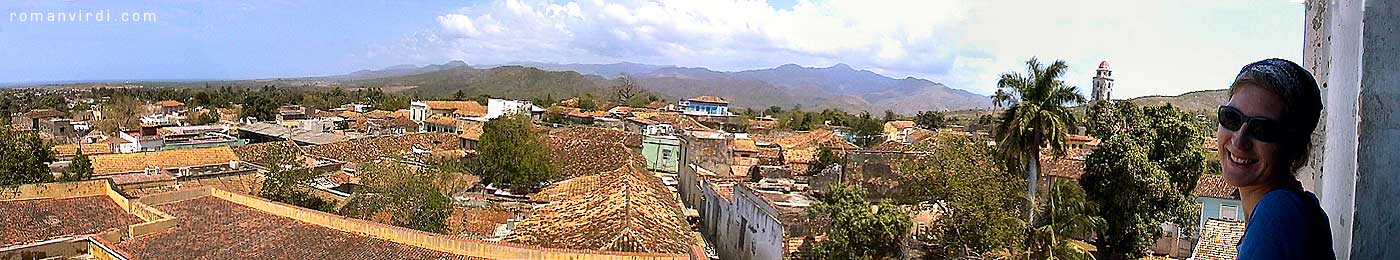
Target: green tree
<point x="825" y="158"/>
<point x="1142" y="177"/>
<point x="1107" y="117"/>
<point x="25" y="158"/>
<point x="79" y="169"/>
<point x="867" y="131"/>
<point x="259" y="106"/>
<point x="459" y="96"/>
<point x="124" y="111"/>
<point x="1068" y="215"/>
<point x="513" y="155"/>
<point x="980" y="199"/>
<point x="287" y="179"/>
<point x="856" y="228"/>
<point x="412" y="196"/>
<point x="206" y="117"/>
<point x="1038" y="116"/>
<point x="587" y="103"/>
<point x="890" y="116"/>
<point x="930" y="119"/>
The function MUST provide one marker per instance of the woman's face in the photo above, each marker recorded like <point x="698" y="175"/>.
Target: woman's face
<point x="1244" y="161"/>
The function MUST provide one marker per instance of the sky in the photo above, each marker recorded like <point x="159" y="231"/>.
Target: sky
<point x="1153" y="47"/>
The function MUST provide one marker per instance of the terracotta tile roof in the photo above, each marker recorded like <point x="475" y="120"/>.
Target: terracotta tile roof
<point x="897" y="125"/>
<point x="584" y="151"/>
<point x="138" y="177"/>
<point x="26" y="221"/>
<point x="256" y="153"/>
<point x="169" y="103"/>
<point x="674" y="119"/>
<point x="358" y="150"/>
<point x="595" y="134"/>
<point x="744" y="145"/>
<point x="42" y="113"/>
<point x="641" y="121"/>
<point x="460" y="108"/>
<point x="213" y="228"/>
<point x="136" y="162"/>
<point x="1218" y="240"/>
<point x="1070" y="166"/>
<point x="441" y="120"/>
<point x="477" y="222"/>
<point x="88" y="149"/>
<point x="1214" y="186"/>
<point x="892" y="146"/>
<point x="709" y="99"/>
<point x="814" y="138"/>
<point x="471" y="131"/>
<point x="626" y="209"/>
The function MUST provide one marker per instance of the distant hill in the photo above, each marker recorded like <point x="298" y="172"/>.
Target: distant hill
<point x="393" y="71"/>
<point x="507" y="81"/>
<point x="1204" y="100"/>
<point x="838" y="86"/>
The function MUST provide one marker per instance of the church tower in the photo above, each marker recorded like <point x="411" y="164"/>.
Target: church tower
<point x="1103" y="83"/>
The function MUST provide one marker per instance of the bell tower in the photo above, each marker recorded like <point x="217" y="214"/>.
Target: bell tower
<point x="1103" y="83"/>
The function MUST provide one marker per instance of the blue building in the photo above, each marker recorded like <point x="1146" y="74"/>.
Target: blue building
<point x="705" y="105"/>
<point x="1218" y="199"/>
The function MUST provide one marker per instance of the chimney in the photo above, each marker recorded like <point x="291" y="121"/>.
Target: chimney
<point x="1081" y="130"/>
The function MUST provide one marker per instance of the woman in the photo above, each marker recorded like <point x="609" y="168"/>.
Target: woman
<point x="1263" y="138"/>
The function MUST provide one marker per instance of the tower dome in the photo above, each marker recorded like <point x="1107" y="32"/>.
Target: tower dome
<point x="1103" y="65"/>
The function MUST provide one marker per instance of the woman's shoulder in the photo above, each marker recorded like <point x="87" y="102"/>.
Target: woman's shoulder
<point x="1289" y="204"/>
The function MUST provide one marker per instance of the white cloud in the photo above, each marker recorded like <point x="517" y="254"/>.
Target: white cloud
<point x="1163" y="47"/>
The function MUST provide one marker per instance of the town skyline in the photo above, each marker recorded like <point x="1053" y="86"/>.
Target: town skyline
<point x="964" y="45"/>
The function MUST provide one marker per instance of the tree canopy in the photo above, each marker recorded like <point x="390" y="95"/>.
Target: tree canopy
<point x="1038" y="115"/>
<point x="25" y="158"/>
<point x="411" y="196"/>
<point x="512" y="154"/>
<point x="979" y="199"/>
<point x="857" y="228"/>
<point x="931" y="119"/>
<point x="1142" y="176"/>
<point x="287" y="179"/>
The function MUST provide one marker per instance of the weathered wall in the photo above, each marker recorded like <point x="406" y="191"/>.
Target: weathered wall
<point x="1359" y="184"/>
<point x="1316" y="59"/>
<point x="1378" y="184"/>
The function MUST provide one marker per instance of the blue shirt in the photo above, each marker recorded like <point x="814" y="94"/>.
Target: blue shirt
<point x="1287" y="224"/>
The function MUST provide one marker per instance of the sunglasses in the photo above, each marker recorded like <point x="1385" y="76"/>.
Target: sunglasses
<point x="1260" y="128"/>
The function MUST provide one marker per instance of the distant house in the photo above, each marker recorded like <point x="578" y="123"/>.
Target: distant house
<point x="1220" y="204"/>
<point x="705" y="106"/>
<point x="147" y="169"/>
<point x="420" y="111"/>
<point x="46" y="121"/>
<point x="898" y="130"/>
<point x="170" y="107"/>
<point x="143" y="140"/>
<point x="664" y="153"/>
<point x="294" y="112"/>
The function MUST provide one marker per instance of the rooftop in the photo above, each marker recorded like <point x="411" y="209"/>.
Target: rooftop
<point x="1214" y="186"/>
<point x="32" y="220"/>
<point x="1218" y="239"/>
<point x="626" y="209"/>
<point x="214" y="228"/>
<point x="460" y="108"/>
<point x="708" y="99"/>
<point x="179" y="158"/>
<point x="169" y="103"/>
<point x="357" y="150"/>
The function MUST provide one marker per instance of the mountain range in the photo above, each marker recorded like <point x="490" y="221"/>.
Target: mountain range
<point x="838" y="86"/>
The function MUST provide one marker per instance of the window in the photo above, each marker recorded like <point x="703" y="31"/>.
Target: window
<point x="665" y="154"/>
<point x="1229" y="212"/>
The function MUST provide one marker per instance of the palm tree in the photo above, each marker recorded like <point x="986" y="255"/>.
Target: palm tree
<point x="1037" y="115"/>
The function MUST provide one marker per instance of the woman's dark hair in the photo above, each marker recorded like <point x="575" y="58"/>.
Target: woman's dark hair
<point x="1301" y="100"/>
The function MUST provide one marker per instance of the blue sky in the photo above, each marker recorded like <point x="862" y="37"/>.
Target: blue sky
<point x="1154" y="47"/>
